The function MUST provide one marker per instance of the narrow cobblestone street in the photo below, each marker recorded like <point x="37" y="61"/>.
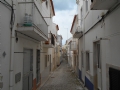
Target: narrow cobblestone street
<point x="62" y="79"/>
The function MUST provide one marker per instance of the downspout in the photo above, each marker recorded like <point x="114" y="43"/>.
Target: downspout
<point x="84" y="48"/>
<point x="78" y="6"/>
<point x="11" y="82"/>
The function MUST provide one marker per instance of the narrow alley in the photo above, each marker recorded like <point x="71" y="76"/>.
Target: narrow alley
<point x="62" y="79"/>
<point x="59" y="44"/>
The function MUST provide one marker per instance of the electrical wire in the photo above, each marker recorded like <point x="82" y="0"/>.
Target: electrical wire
<point x="12" y="12"/>
<point x="12" y="16"/>
<point x="6" y="3"/>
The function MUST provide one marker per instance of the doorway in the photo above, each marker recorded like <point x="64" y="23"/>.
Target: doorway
<point x="38" y="67"/>
<point x="97" y="66"/>
<point x="50" y="63"/>
<point x="27" y="69"/>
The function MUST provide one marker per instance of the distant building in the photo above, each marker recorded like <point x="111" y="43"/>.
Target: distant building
<point x="59" y="39"/>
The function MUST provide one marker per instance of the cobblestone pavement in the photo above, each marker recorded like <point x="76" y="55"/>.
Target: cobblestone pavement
<point x="62" y="79"/>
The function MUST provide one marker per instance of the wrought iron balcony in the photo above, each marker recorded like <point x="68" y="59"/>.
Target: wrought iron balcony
<point x="78" y="33"/>
<point x="73" y="45"/>
<point x="51" y="41"/>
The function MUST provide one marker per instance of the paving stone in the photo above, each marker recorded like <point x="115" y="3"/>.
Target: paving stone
<point x="63" y="79"/>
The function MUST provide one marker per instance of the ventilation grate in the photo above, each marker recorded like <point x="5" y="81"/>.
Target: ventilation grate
<point x="114" y="77"/>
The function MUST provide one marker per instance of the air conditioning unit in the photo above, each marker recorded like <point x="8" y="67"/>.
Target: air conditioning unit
<point x="103" y="4"/>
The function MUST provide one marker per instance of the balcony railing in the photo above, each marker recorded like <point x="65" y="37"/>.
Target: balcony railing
<point x="78" y="33"/>
<point x="51" y="41"/>
<point x="31" y="21"/>
<point x="73" y="45"/>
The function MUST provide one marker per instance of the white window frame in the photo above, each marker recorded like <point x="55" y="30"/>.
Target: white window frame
<point x="45" y="61"/>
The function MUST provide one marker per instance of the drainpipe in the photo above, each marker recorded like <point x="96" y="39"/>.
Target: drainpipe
<point x="11" y="82"/>
<point x="84" y="48"/>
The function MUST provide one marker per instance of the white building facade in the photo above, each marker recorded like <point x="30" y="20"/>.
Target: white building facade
<point x="24" y="27"/>
<point x="99" y="43"/>
<point x="59" y="40"/>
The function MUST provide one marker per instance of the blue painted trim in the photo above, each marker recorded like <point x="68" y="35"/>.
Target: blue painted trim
<point x="88" y="84"/>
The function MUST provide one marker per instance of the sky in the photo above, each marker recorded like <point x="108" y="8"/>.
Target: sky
<point x="64" y="14"/>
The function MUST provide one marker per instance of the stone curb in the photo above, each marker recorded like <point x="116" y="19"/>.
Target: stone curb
<point x="80" y="81"/>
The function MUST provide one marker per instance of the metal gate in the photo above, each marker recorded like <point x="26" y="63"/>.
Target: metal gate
<point x="114" y="77"/>
<point x="27" y="69"/>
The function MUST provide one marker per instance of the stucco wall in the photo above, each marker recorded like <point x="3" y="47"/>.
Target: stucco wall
<point x="5" y="45"/>
<point x="23" y="43"/>
<point x="110" y="50"/>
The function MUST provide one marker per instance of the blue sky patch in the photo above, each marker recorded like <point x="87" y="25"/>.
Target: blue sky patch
<point x="64" y="4"/>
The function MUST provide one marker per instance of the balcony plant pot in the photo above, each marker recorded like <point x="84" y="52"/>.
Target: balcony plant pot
<point x="46" y="42"/>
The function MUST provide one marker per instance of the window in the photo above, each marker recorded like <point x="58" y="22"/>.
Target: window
<point x="50" y="62"/>
<point x="38" y="66"/>
<point x="81" y="16"/>
<point x="46" y="3"/>
<point x="82" y="59"/>
<point x="114" y="79"/>
<point x="75" y="59"/>
<point x="87" y="61"/>
<point x="92" y="1"/>
<point x="48" y="58"/>
<point x="52" y="40"/>
<point x="57" y="49"/>
<point x="86" y="5"/>
<point x="98" y="55"/>
<point x="45" y="60"/>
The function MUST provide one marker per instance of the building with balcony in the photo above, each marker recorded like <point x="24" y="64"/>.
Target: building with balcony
<point x="76" y="31"/>
<point x="99" y="44"/>
<point x="69" y="52"/>
<point x="51" y="41"/>
<point x="59" y="41"/>
<point x="31" y="21"/>
<point x="50" y="46"/>
<point x="25" y="26"/>
<point x="73" y="45"/>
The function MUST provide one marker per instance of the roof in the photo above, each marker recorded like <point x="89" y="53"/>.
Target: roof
<point x="52" y="7"/>
<point x="73" y="22"/>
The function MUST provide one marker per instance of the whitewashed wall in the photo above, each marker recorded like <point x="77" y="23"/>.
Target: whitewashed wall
<point x="75" y="25"/>
<point x="5" y="34"/>
<point x="109" y="30"/>
<point x="24" y="42"/>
